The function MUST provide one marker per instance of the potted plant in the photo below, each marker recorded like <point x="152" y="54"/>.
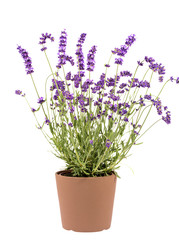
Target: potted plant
<point x="92" y="124"/>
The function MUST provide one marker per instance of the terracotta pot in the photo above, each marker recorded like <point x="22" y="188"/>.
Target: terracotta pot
<point x="86" y="203"/>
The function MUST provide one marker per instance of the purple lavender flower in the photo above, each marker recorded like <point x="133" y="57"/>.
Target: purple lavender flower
<point x="134" y="82"/>
<point x="90" y="59"/>
<point x="107" y="65"/>
<point x="70" y="124"/>
<point x="157" y="103"/>
<point x="177" y="80"/>
<point x="47" y="121"/>
<point x="68" y="95"/>
<point x="71" y="107"/>
<point x="140" y="63"/>
<point x="149" y="59"/>
<point x="156" y="67"/>
<point x="171" y="79"/>
<point x="79" y="52"/>
<point x="70" y="60"/>
<point x="113" y="97"/>
<point x="160" y="78"/>
<point x="86" y="85"/>
<point x="118" y="61"/>
<point x="77" y="79"/>
<point x="148" y="97"/>
<point x="167" y="118"/>
<point x="121" y="51"/>
<point x="18" y="92"/>
<point x="111" y="81"/>
<point x="125" y="74"/>
<point x="91" y="142"/>
<point x="123" y="111"/>
<point x="44" y="38"/>
<point x="33" y="110"/>
<point x="144" y="84"/>
<point x="68" y="76"/>
<point x="27" y="60"/>
<point x="130" y="40"/>
<point x="122" y="85"/>
<point x="40" y="100"/>
<point x="126" y="119"/>
<point x="124" y="48"/>
<point x="62" y="49"/>
<point x="108" y="143"/>
<point x="141" y="102"/>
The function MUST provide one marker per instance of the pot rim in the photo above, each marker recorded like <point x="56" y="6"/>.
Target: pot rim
<point x="60" y="173"/>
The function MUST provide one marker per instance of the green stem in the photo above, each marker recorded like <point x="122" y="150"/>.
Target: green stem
<point x="148" y="129"/>
<point x="131" y="83"/>
<point x="37" y="94"/>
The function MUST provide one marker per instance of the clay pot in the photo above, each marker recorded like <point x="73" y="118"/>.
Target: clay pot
<point x="86" y="203"/>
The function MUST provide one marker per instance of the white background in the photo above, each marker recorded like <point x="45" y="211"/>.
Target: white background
<point x="146" y="203"/>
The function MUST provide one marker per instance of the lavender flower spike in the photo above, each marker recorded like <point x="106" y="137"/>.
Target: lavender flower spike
<point x="108" y="143"/>
<point x="90" y="59"/>
<point x="40" y="100"/>
<point x="18" y="92"/>
<point x="27" y="60"/>
<point x="130" y="40"/>
<point x="79" y="52"/>
<point x="62" y="49"/>
<point x="43" y="40"/>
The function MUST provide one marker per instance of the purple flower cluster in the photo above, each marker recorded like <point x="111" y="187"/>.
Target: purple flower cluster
<point x="134" y="82"/>
<point x="76" y="79"/>
<point x="70" y="124"/>
<point x="41" y="100"/>
<point x="125" y="74"/>
<point x="130" y="40"/>
<point x="90" y="59"/>
<point x="118" y="61"/>
<point x="111" y="81"/>
<point x="47" y="121"/>
<point x="148" y="97"/>
<point x="86" y="85"/>
<point x="44" y="38"/>
<point x="62" y="51"/>
<point x="156" y="67"/>
<point x="71" y="107"/>
<point x="99" y="85"/>
<point x="18" y="92"/>
<point x="79" y="52"/>
<point x="108" y="143"/>
<point x="68" y="95"/>
<point x="27" y="60"/>
<point x="33" y="110"/>
<point x="107" y="65"/>
<point x="124" y="49"/>
<point x="140" y="63"/>
<point x="158" y="104"/>
<point x="59" y="84"/>
<point x="167" y="118"/>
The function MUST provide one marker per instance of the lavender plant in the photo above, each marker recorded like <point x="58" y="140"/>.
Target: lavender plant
<point x="92" y="124"/>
